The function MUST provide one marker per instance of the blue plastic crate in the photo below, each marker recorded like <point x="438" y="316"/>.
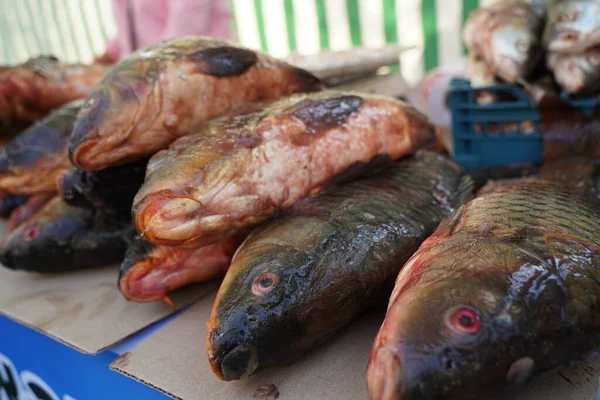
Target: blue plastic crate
<point x="505" y="132"/>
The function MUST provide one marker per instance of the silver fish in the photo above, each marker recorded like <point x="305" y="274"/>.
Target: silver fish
<point x="577" y="73"/>
<point x="573" y="26"/>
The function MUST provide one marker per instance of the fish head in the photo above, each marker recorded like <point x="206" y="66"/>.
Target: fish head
<point x="47" y="236"/>
<point x="69" y="185"/>
<point x="260" y="316"/>
<point x="568" y="71"/>
<point x="575" y="24"/>
<point x="449" y="337"/>
<point x="516" y="51"/>
<point x="125" y="101"/>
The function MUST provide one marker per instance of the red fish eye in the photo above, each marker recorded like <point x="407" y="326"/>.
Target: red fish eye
<point x="264" y="283"/>
<point x="31" y="233"/>
<point x="463" y="319"/>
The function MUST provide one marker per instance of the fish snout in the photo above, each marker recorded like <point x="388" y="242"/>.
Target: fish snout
<point x="384" y="375"/>
<point x="7" y="258"/>
<point x="563" y="40"/>
<point x="239" y="363"/>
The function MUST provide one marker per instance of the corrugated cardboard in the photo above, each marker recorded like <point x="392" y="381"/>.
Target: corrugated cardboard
<point x="174" y="361"/>
<point x="83" y="309"/>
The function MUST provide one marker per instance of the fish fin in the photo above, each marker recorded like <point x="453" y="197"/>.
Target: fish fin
<point x="224" y="60"/>
<point x="463" y="192"/>
<point x="556" y="242"/>
<point x="170" y="303"/>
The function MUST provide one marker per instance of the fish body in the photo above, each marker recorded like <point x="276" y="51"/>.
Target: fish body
<point x="300" y="277"/>
<point x="506" y="288"/>
<point x="111" y="189"/>
<point x="30" y="90"/>
<point x="577" y="73"/>
<point x="61" y="238"/>
<point x="24" y="211"/>
<point x="31" y="162"/>
<point x="506" y="35"/>
<point x="150" y="272"/>
<point x="239" y="171"/>
<point x="170" y="89"/>
<point x="573" y="26"/>
<point x="9" y="202"/>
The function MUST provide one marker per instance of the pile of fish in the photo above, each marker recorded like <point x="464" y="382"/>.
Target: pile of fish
<point x="196" y="159"/>
<point x="523" y="41"/>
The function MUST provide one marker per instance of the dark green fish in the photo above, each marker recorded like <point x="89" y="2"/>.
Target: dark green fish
<point x="303" y="275"/>
<point x="506" y="288"/>
<point x="110" y="189"/>
<point x="60" y="238"/>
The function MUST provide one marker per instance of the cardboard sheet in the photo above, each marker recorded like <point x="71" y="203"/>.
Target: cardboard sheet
<point x="84" y="309"/>
<point x="174" y="361"/>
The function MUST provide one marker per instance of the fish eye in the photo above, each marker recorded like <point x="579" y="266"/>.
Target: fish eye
<point x="264" y="283"/>
<point x="463" y="319"/>
<point x="31" y="233"/>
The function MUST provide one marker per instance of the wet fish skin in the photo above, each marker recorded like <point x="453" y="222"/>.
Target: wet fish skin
<point x="63" y="238"/>
<point x="149" y="272"/>
<point x="573" y="26"/>
<point x="240" y="171"/>
<point x="31" y="162"/>
<point x="170" y="89"/>
<point x="31" y="90"/>
<point x="496" y="295"/>
<point x="9" y="202"/>
<point x="577" y="73"/>
<point x="25" y="211"/>
<point x="300" y="277"/>
<point x="506" y="35"/>
<point x="111" y="189"/>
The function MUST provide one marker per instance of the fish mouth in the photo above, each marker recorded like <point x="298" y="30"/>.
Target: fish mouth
<point x="168" y="219"/>
<point x="168" y="269"/>
<point x="384" y="374"/>
<point x="238" y="363"/>
<point x="82" y="153"/>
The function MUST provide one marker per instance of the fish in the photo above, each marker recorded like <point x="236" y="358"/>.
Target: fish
<point x="239" y="171"/>
<point x="31" y="90"/>
<point x="111" y="189"/>
<point x="31" y="162"/>
<point x="506" y="35"/>
<point x="506" y="288"/>
<point x="170" y="89"/>
<point x="9" y="202"/>
<point x="302" y="276"/>
<point x="63" y="238"/>
<point x="29" y="208"/>
<point x="577" y="73"/>
<point x="573" y="26"/>
<point x="149" y="272"/>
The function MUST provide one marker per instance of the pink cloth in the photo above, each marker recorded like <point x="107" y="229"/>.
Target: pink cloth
<point x="157" y="20"/>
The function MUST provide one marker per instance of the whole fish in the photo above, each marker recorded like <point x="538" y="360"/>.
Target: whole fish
<point x="61" y="238"/>
<point x="506" y="35"/>
<point x="577" y="73"/>
<point x="170" y="89"/>
<point x="31" y="162"/>
<point x="507" y="287"/>
<point x="30" y="90"/>
<point x="150" y="272"/>
<point x="111" y="189"/>
<point x="303" y="275"/>
<point x="9" y="202"/>
<point x="573" y="26"/>
<point x="239" y="171"/>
